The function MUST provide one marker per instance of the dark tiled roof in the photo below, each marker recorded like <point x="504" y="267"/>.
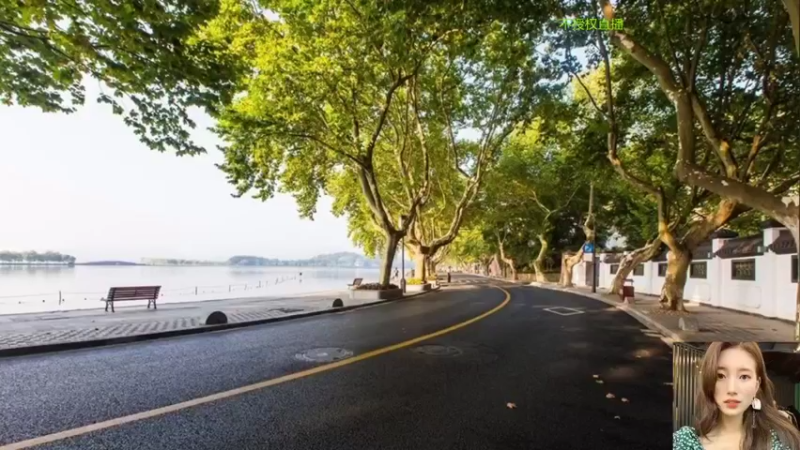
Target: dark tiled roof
<point x="742" y="247"/>
<point x="784" y="244"/>
<point x="771" y="223"/>
<point x="724" y="234"/>
<point x="703" y="252"/>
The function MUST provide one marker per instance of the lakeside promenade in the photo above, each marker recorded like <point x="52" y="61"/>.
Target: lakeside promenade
<point x="133" y="318"/>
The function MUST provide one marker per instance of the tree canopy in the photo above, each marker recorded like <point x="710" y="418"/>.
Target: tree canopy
<point x="431" y="121"/>
<point x="147" y="56"/>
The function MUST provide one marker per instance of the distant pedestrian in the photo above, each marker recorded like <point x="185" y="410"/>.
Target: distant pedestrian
<point x="396" y="273"/>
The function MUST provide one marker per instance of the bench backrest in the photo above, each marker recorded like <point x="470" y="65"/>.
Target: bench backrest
<point x="357" y="281"/>
<point x="134" y="293"/>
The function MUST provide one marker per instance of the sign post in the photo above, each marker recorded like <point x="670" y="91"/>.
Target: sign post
<point x="589" y="248"/>
<point x="594" y="239"/>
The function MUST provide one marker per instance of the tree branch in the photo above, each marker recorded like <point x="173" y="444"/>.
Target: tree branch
<point x="384" y="111"/>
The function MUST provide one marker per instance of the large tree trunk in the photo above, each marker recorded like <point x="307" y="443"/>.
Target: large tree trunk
<point x="510" y="263"/>
<point x="432" y="268"/>
<point x="680" y="255"/>
<point x="508" y="260"/>
<point x="568" y="262"/>
<point x="538" y="263"/>
<point x="421" y="261"/>
<point x="631" y="260"/>
<point x="419" y="266"/>
<point x="392" y="239"/>
<point x="675" y="281"/>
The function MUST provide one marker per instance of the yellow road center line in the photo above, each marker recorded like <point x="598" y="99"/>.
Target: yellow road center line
<point x="66" y="434"/>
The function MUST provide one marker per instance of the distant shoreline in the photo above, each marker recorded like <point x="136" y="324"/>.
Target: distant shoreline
<point x="132" y="264"/>
<point x="10" y="263"/>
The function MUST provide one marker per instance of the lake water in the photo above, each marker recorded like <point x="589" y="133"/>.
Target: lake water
<point x="36" y="289"/>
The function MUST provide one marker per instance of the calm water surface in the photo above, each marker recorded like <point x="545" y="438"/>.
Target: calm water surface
<point x="36" y="289"/>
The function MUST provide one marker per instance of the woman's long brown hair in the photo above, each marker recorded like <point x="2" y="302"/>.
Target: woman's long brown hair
<point x="767" y="420"/>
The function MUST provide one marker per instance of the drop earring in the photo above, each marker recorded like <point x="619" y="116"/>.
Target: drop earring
<point x="756" y="407"/>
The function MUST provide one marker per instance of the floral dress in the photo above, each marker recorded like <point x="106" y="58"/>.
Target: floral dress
<point x="686" y="439"/>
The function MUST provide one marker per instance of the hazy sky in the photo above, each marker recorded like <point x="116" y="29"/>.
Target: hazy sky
<point x="83" y="184"/>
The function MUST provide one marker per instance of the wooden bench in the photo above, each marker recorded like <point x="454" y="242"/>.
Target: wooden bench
<point x="352" y="287"/>
<point x="356" y="283"/>
<point x="118" y="294"/>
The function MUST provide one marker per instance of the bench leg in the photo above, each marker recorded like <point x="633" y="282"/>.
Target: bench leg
<point x="112" y="306"/>
<point x="106" y="305"/>
<point x="154" y="304"/>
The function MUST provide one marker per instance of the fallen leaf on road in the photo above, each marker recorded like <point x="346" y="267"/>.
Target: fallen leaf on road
<point x="610" y="395"/>
<point x="596" y="376"/>
<point x="625" y="400"/>
<point x="616" y="417"/>
<point x="511" y="405"/>
<point x="599" y="381"/>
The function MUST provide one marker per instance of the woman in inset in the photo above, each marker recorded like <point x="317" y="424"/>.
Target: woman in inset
<point x="735" y="408"/>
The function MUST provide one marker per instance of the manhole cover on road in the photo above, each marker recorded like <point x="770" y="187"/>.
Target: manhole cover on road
<point x="328" y="354"/>
<point x="438" y="350"/>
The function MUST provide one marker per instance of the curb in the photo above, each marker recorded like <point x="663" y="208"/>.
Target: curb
<point x="642" y="318"/>
<point x="77" y="345"/>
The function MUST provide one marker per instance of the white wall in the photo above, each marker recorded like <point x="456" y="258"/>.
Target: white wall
<point x="771" y="295"/>
<point x="738" y="294"/>
<point x="785" y="292"/>
<point x="698" y="289"/>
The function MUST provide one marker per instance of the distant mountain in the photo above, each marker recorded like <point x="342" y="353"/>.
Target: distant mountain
<point x="340" y="259"/>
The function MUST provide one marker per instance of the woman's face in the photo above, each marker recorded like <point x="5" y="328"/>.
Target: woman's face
<point x="737" y="382"/>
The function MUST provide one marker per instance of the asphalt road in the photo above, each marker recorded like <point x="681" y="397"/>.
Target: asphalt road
<point x="542" y="363"/>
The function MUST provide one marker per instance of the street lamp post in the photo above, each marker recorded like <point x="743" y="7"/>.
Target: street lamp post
<point x="403" y="255"/>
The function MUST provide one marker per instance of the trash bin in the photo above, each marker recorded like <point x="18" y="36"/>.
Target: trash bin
<point x="627" y="291"/>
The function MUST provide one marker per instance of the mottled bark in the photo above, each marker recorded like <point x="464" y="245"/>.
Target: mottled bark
<point x="508" y="260"/>
<point x="392" y="239"/>
<point x="538" y="263"/>
<point x="793" y="8"/>
<point x="419" y="266"/>
<point x="631" y="260"/>
<point x="568" y="262"/>
<point x="675" y="280"/>
<point x="681" y="250"/>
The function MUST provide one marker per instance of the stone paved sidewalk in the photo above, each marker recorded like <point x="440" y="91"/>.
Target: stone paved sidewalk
<point x="713" y="324"/>
<point x="24" y="330"/>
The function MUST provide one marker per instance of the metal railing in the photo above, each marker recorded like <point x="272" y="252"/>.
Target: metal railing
<point x="686" y="361"/>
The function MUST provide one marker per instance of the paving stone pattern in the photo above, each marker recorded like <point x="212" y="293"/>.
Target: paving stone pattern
<point x="32" y="338"/>
<point x="714" y="324"/>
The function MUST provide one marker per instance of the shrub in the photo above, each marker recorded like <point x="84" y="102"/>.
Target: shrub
<point x="414" y="281"/>
<point x="375" y="287"/>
